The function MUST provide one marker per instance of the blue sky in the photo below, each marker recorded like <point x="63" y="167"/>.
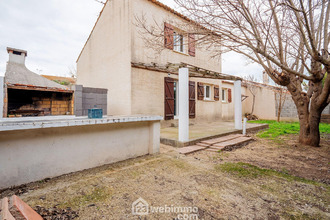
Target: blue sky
<point x="54" y="32"/>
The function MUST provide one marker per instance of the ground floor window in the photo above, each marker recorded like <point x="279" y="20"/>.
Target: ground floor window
<point x="224" y="95"/>
<point x="207" y="92"/>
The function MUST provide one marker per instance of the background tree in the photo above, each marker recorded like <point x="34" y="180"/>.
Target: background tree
<point x="253" y="89"/>
<point x="280" y="97"/>
<point x="288" y="38"/>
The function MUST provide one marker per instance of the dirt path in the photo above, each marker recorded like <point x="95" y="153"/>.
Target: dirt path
<point x="219" y="190"/>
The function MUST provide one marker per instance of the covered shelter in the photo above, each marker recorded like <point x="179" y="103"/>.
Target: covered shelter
<point x="28" y="94"/>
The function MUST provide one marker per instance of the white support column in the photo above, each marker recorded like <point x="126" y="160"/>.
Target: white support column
<point x="183" y="104"/>
<point x="2" y="87"/>
<point x="238" y="104"/>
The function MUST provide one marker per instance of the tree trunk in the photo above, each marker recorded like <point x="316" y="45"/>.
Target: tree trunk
<point x="279" y="115"/>
<point x="309" y="128"/>
<point x="279" y="108"/>
<point x="254" y="100"/>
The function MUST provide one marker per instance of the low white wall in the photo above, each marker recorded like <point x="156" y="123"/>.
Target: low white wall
<point x="34" y="154"/>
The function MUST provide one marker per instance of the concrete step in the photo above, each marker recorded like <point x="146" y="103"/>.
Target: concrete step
<point x="227" y="145"/>
<point x="203" y="145"/>
<point x="212" y="150"/>
<point x="221" y="139"/>
<point x="190" y="149"/>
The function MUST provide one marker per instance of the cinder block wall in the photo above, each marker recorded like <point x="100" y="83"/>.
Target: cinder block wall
<point x="87" y="98"/>
<point x="289" y="109"/>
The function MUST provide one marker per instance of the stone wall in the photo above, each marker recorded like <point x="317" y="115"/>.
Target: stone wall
<point x="87" y="98"/>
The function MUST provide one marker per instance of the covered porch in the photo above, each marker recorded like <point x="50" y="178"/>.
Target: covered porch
<point x="181" y="105"/>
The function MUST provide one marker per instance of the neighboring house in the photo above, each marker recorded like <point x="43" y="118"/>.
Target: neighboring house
<point x="114" y="57"/>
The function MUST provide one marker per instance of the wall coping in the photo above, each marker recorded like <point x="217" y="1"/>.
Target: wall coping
<point x="13" y="124"/>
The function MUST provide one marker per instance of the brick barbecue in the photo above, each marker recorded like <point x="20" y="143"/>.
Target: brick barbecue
<point x="29" y="94"/>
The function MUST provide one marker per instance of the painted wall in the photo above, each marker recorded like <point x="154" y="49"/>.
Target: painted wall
<point x="148" y="86"/>
<point x="264" y="103"/>
<point x="32" y="155"/>
<point x="105" y="61"/>
<point x="147" y="53"/>
<point x="228" y="112"/>
<point x="148" y="96"/>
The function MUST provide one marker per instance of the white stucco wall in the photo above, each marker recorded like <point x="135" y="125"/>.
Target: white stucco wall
<point x="264" y="103"/>
<point x="156" y="16"/>
<point x="148" y="95"/>
<point x="105" y="61"/>
<point x="34" y="154"/>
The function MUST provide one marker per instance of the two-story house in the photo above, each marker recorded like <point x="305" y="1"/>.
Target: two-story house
<point x="115" y="55"/>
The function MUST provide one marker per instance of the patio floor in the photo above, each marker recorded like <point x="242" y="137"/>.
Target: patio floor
<point x="201" y="131"/>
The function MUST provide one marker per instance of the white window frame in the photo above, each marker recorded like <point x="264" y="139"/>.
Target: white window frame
<point x="224" y="95"/>
<point x="178" y="44"/>
<point x="205" y="97"/>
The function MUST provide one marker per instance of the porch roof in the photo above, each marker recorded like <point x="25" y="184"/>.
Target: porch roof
<point x="194" y="71"/>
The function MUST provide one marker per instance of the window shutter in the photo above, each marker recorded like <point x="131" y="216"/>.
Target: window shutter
<point x="216" y="93"/>
<point x="168" y="36"/>
<point x="169" y="98"/>
<point x="191" y="45"/>
<point x="192" y="100"/>
<point x="200" y="91"/>
<point x="229" y="95"/>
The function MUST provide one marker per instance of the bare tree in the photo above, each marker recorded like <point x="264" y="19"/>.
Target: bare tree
<point x="288" y="38"/>
<point x="280" y="97"/>
<point x="253" y="88"/>
<point x="72" y="71"/>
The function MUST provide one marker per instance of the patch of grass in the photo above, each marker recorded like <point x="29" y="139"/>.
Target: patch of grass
<point x="246" y="170"/>
<point x="282" y="128"/>
<point x="96" y="195"/>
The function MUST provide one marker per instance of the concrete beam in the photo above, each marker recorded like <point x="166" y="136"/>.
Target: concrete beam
<point x="183" y="105"/>
<point x="238" y="104"/>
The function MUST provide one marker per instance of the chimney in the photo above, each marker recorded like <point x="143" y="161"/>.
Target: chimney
<point x="16" y="55"/>
<point x="265" y="78"/>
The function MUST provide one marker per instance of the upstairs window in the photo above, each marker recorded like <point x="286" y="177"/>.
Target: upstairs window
<point x="178" y="42"/>
<point x="175" y="39"/>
